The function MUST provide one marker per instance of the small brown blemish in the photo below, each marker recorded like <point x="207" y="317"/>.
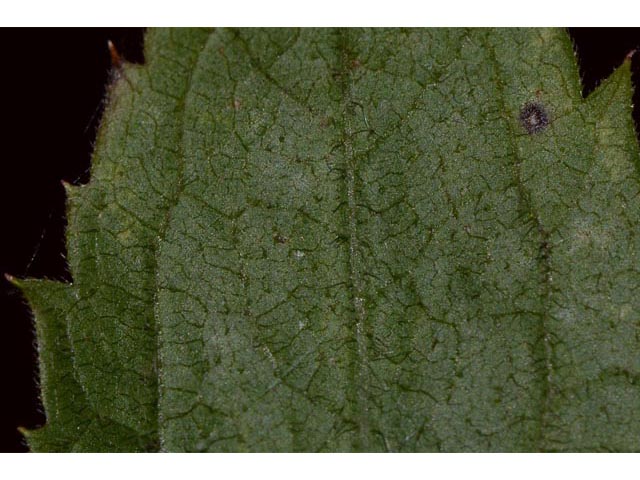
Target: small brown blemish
<point x="236" y="104"/>
<point x="325" y="122"/>
<point x="279" y="238"/>
<point x="355" y="63"/>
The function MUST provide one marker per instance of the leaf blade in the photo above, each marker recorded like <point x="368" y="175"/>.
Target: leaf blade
<point x="345" y="240"/>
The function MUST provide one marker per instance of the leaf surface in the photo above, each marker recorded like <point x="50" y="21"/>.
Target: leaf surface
<point x="347" y="240"/>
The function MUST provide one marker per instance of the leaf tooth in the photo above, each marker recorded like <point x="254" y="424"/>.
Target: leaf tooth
<point x="609" y="88"/>
<point x="53" y="303"/>
<point x="49" y="294"/>
<point x="73" y="192"/>
<point x="12" y="280"/>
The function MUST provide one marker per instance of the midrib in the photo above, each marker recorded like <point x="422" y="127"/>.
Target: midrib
<point x="355" y="270"/>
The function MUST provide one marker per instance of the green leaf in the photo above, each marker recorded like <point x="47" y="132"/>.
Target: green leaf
<point x="350" y="240"/>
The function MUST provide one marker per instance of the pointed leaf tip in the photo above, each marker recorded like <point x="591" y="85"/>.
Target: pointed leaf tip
<point x="12" y="280"/>
<point x="116" y="58"/>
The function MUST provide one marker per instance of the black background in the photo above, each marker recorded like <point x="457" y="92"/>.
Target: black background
<point x="52" y="83"/>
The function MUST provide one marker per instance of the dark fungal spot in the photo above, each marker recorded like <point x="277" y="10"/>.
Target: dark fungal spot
<point x="534" y="117"/>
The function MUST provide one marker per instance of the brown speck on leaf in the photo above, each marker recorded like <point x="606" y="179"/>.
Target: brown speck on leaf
<point x="279" y="238"/>
<point x="236" y="104"/>
<point x="355" y="63"/>
<point x="325" y="122"/>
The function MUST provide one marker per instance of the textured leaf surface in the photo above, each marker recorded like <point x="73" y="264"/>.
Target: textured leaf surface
<point x="346" y="240"/>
